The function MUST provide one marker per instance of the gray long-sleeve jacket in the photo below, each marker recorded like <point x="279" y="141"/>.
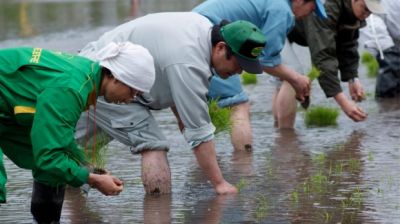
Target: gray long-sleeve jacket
<point x="332" y="42"/>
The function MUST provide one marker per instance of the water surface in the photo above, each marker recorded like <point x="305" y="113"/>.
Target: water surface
<point x="342" y="174"/>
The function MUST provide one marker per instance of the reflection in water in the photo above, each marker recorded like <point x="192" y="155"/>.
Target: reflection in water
<point x="157" y="208"/>
<point x="134" y="8"/>
<point x="242" y="163"/>
<point x="332" y="192"/>
<point x="43" y="17"/>
<point x="75" y="203"/>
<point x="389" y="104"/>
<point x="346" y="174"/>
<point x="209" y="210"/>
<point x="24" y="21"/>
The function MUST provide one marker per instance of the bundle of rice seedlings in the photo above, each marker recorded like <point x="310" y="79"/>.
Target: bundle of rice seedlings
<point x="312" y="74"/>
<point x="369" y="61"/>
<point x="220" y="117"/>
<point x="95" y="154"/>
<point x="321" y="116"/>
<point x="248" y="78"/>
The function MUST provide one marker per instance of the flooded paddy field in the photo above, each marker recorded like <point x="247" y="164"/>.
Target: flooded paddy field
<point x="346" y="173"/>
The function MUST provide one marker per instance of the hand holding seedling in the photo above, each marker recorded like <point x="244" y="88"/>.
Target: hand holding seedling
<point x="356" y="90"/>
<point x="106" y="184"/>
<point x="302" y="87"/>
<point x="313" y="74"/>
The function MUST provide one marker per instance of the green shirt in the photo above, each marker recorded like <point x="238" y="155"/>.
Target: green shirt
<point x="47" y="91"/>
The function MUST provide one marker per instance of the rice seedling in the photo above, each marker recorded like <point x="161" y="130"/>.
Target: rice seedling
<point x="306" y="187"/>
<point x="354" y="200"/>
<point x="371" y="64"/>
<point x="262" y="206"/>
<point x="354" y="164"/>
<point x="370" y="156"/>
<point x="248" y="78"/>
<point x="319" y="182"/>
<point x="321" y="116"/>
<point x="294" y="196"/>
<point x="95" y="154"/>
<point x="319" y="159"/>
<point x="326" y="216"/>
<point x="242" y="183"/>
<point x="312" y="74"/>
<point x="338" y="170"/>
<point x="220" y="117"/>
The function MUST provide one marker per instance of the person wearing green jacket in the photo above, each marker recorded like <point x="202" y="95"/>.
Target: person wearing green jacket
<point x="42" y="95"/>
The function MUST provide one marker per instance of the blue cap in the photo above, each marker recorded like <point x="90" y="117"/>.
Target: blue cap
<point x="320" y="9"/>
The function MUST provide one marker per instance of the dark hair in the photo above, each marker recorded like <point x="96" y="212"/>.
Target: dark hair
<point x="216" y="37"/>
<point x="106" y="71"/>
<point x="216" y="34"/>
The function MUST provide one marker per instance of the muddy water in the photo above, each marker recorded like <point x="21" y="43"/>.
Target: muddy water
<point x="342" y="174"/>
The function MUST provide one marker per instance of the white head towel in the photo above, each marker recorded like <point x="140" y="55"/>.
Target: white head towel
<point x="129" y="63"/>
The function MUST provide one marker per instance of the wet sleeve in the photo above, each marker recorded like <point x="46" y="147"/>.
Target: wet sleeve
<point x="320" y="35"/>
<point x="275" y="31"/>
<point x="55" y="152"/>
<point x="189" y="86"/>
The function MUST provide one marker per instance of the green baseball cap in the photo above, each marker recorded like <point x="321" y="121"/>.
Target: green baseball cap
<point x="246" y="42"/>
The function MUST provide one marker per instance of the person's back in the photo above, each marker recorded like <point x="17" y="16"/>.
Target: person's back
<point x="59" y="70"/>
<point x="186" y="48"/>
<point x="173" y="39"/>
<point x="274" y="18"/>
<point x="333" y="46"/>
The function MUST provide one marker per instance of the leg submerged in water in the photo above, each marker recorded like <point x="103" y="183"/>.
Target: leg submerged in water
<point x="46" y="203"/>
<point x="241" y="135"/>
<point x="156" y="174"/>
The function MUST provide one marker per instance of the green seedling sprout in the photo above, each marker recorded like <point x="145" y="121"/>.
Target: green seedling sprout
<point x="248" y="78"/>
<point x="321" y="116"/>
<point x="294" y="195"/>
<point x="312" y="75"/>
<point x="220" y="117"/>
<point x="368" y="60"/>
<point x="262" y="207"/>
<point x="95" y="154"/>
<point x="242" y="184"/>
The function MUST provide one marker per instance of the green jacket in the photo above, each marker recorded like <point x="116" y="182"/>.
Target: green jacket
<point x="46" y="92"/>
<point x="332" y="42"/>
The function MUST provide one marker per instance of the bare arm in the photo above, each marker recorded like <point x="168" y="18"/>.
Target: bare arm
<point x="180" y="123"/>
<point x="207" y="159"/>
<point x="300" y="83"/>
<point x="350" y="108"/>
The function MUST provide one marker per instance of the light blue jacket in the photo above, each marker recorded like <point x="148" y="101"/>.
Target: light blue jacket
<point x="274" y="18"/>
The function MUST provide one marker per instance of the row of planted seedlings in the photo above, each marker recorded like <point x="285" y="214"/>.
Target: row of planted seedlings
<point x="314" y="116"/>
<point x="327" y="189"/>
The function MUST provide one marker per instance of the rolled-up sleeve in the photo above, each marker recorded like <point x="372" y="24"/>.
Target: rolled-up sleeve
<point x="189" y="86"/>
